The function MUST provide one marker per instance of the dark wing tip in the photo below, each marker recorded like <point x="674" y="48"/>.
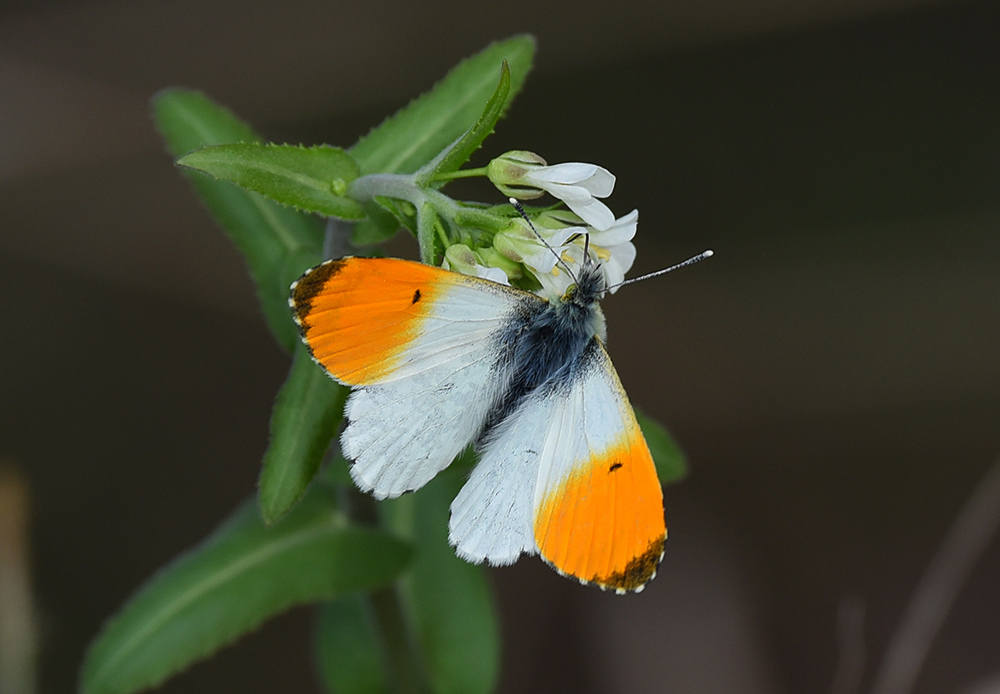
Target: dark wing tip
<point x="638" y="572"/>
<point x="632" y="579"/>
<point x="305" y="288"/>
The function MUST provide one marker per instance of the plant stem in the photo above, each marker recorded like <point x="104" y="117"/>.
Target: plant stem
<point x="427" y="200"/>
<point x="461" y="173"/>
<point x="336" y="238"/>
<point x="480" y="219"/>
<point x="405" y="669"/>
<point x="949" y="569"/>
<point x="403" y="664"/>
<point x="442" y="234"/>
<point x="401" y="187"/>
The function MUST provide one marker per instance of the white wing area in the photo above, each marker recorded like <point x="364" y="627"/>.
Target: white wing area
<point x="557" y="429"/>
<point x="410" y="425"/>
<point x="491" y="518"/>
<point x="596" y="416"/>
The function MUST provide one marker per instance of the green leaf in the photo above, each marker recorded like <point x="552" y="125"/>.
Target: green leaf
<point x="418" y="132"/>
<point x="671" y="466"/>
<point x="348" y="648"/>
<point x="459" y="153"/>
<point x="380" y="225"/>
<point x="306" y="414"/>
<point x="306" y="178"/>
<point x="278" y="243"/>
<point x="189" y="120"/>
<point x="449" y="600"/>
<point x="238" y="577"/>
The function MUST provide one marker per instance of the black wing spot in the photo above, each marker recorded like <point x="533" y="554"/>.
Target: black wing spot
<point x="614" y="466"/>
<point x="416" y="296"/>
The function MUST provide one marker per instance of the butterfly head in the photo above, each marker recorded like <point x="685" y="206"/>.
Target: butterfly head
<point x="580" y="306"/>
<point x="590" y="286"/>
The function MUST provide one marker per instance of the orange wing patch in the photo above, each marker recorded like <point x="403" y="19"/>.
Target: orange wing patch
<point x="604" y="524"/>
<point x="358" y="315"/>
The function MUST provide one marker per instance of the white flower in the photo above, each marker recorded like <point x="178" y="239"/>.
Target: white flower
<point x="524" y="175"/>
<point x="578" y="185"/>
<point x="522" y="245"/>
<point x="614" y="249"/>
<point x="610" y="248"/>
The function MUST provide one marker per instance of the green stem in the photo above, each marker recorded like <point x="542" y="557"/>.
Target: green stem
<point x="405" y="670"/>
<point x="405" y="187"/>
<point x="404" y="667"/>
<point x="401" y="187"/>
<point x="481" y="219"/>
<point x="427" y="222"/>
<point x="461" y="173"/>
<point x="442" y="234"/>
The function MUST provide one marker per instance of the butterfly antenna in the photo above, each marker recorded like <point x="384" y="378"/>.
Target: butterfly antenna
<point x="560" y="261"/>
<point x="690" y="261"/>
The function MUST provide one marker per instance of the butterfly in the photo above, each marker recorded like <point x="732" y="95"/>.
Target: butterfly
<point x="438" y="360"/>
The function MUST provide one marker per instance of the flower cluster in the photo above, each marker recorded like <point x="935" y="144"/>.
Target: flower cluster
<point x="534" y="250"/>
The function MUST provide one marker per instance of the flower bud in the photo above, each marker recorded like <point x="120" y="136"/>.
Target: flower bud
<point x="460" y="258"/>
<point x="508" y="170"/>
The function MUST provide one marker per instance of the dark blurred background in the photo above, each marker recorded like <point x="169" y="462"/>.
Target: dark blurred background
<point x="833" y="373"/>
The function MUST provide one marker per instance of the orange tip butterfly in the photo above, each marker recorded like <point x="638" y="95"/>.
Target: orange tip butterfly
<point x="438" y="360"/>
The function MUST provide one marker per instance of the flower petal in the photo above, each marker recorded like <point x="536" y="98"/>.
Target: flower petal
<point x="492" y="273"/>
<point x="597" y="180"/>
<point x="593" y="212"/>
<point x="622" y="231"/>
<point x="602" y="183"/>
<point x="566" y="173"/>
<point x="620" y="263"/>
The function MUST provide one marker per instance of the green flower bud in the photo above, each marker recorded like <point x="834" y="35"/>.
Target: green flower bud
<point x="460" y="258"/>
<point x="492" y="258"/>
<point x="508" y="170"/>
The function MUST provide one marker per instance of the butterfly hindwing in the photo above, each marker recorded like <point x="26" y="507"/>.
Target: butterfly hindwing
<point x="423" y="349"/>
<point x="491" y="516"/>
<point x="598" y="506"/>
<point x="569" y="475"/>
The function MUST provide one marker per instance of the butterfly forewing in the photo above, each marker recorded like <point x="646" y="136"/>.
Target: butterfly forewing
<point x="420" y="346"/>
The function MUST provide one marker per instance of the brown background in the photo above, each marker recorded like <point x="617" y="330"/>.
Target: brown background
<point x="833" y="373"/>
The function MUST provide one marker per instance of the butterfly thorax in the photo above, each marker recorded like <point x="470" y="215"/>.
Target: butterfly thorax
<point x="580" y="305"/>
<point x="548" y="342"/>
